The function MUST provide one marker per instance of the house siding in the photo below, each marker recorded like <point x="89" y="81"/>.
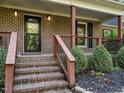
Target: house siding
<point x="58" y="25"/>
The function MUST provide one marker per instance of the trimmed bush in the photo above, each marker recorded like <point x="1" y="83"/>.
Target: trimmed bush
<point x="81" y="60"/>
<point x="119" y="58"/>
<point x="2" y="65"/>
<point x="102" y="60"/>
<point x="90" y="63"/>
<point x="116" y="69"/>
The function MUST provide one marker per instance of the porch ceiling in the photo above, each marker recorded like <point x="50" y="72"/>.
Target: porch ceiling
<point x="53" y="8"/>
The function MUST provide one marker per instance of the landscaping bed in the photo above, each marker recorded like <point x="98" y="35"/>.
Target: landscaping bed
<point x="99" y="73"/>
<point x="110" y="82"/>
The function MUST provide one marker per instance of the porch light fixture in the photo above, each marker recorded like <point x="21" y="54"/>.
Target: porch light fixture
<point x="49" y="18"/>
<point x="15" y="13"/>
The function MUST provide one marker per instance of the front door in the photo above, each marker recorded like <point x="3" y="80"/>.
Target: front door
<point x="32" y="34"/>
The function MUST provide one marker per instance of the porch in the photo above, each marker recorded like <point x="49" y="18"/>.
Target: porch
<point x="76" y="24"/>
<point x="46" y="27"/>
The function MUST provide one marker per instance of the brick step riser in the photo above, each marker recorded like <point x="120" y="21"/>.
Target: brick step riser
<point x="28" y="61"/>
<point x="37" y="72"/>
<point x="32" y="61"/>
<point x="34" y="65"/>
<point x="17" y="82"/>
<point x="25" y="65"/>
<point x="37" y="59"/>
<point x="39" y="90"/>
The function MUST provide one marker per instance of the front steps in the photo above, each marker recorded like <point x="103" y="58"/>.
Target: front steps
<point x="39" y="74"/>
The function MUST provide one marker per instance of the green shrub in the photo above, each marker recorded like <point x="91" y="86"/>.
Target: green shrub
<point x="119" y="58"/>
<point x="81" y="60"/>
<point x="98" y="74"/>
<point x="2" y="65"/>
<point x="102" y="61"/>
<point x="90" y="63"/>
<point x="116" y="69"/>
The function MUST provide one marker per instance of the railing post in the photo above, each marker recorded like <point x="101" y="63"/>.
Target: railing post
<point x="9" y="65"/>
<point x="71" y="73"/>
<point x="9" y="78"/>
<point x="120" y="24"/>
<point x="97" y="41"/>
<point x="55" y="47"/>
<point x="100" y="41"/>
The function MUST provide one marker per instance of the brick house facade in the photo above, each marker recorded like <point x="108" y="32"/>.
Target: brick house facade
<point x="58" y="25"/>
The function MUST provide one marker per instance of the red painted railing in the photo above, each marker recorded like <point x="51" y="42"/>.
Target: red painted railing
<point x="65" y="58"/>
<point x="10" y="61"/>
<point x="112" y="45"/>
<point x="95" y="41"/>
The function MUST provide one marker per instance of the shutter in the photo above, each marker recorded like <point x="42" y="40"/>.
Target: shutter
<point x="90" y="34"/>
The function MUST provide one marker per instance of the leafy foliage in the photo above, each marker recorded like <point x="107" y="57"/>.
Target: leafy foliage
<point x="116" y="69"/>
<point x="98" y="74"/>
<point x="113" y="34"/>
<point x="120" y="58"/>
<point x="81" y="60"/>
<point x="90" y="63"/>
<point x="102" y="61"/>
<point x="2" y="65"/>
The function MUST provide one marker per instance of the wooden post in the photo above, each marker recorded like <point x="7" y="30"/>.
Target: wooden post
<point x="120" y="29"/>
<point x="70" y="73"/>
<point x="100" y="41"/>
<point x="73" y="26"/>
<point x="54" y="46"/>
<point x="9" y="65"/>
<point x="97" y="41"/>
<point x="9" y="78"/>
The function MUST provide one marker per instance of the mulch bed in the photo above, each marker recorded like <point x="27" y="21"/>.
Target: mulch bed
<point x="110" y="82"/>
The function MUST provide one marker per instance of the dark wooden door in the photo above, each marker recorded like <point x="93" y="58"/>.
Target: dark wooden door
<point x="32" y="34"/>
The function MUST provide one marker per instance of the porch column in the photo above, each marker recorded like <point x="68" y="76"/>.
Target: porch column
<point x="73" y="26"/>
<point x="120" y="29"/>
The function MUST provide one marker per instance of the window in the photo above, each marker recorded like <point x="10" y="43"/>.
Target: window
<point x="81" y="32"/>
<point x="106" y="33"/>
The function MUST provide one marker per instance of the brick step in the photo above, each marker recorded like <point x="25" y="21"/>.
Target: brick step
<point x="34" y="57"/>
<point x="35" y="70"/>
<point x="40" y="87"/>
<point x="38" y="78"/>
<point x="34" y="64"/>
<point x="35" y="60"/>
<point x="59" y="91"/>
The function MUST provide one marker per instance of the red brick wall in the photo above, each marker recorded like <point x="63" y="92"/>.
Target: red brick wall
<point x="57" y="25"/>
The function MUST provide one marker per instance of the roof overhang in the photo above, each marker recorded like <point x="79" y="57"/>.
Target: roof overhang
<point x="113" y="26"/>
<point x="107" y="6"/>
<point x="95" y="10"/>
